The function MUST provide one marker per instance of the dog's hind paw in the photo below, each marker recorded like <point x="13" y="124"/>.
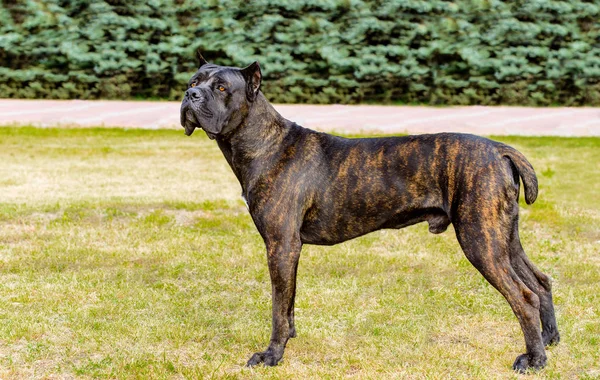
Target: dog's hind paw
<point x="268" y="358"/>
<point x="550" y="339"/>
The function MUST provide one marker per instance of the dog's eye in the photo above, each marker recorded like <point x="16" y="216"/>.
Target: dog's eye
<point x="221" y="88"/>
<point x="193" y="84"/>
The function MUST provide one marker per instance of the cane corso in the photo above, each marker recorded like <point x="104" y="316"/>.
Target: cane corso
<point x="306" y="187"/>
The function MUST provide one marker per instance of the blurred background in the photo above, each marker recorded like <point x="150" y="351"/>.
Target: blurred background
<point x="462" y="52"/>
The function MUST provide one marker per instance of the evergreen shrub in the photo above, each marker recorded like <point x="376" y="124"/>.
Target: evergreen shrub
<point x="521" y="52"/>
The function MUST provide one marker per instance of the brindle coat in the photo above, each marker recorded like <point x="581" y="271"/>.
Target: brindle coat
<point x="306" y="187"/>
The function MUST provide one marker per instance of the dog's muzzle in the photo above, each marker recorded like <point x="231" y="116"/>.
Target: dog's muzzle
<point x="187" y="117"/>
<point x="191" y="104"/>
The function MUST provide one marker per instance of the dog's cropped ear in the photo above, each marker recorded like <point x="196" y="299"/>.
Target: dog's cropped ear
<point x="200" y="58"/>
<point x="253" y="77"/>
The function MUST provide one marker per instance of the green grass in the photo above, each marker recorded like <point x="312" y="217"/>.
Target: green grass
<point x="130" y="254"/>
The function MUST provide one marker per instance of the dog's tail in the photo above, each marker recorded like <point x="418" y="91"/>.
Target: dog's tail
<point x="525" y="170"/>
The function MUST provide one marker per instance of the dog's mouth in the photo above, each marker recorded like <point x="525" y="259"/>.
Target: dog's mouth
<point x="189" y="129"/>
<point x="189" y="121"/>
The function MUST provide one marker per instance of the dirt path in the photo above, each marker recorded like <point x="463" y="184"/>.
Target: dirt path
<point x="340" y="118"/>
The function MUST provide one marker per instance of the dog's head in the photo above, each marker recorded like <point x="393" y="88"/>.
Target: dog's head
<point x="218" y="97"/>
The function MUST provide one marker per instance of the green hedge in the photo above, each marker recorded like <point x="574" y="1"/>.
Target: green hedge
<point x="531" y="52"/>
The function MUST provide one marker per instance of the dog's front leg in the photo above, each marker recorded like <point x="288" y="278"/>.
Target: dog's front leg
<point x="283" y="255"/>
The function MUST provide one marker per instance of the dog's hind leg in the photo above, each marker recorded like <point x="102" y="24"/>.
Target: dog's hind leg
<point x="539" y="283"/>
<point x="484" y="235"/>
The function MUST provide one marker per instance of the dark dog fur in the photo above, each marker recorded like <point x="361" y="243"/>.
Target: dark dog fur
<point x="305" y="187"/>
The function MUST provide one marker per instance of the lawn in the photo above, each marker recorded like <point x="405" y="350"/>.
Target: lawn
<point x="130" y="254"/>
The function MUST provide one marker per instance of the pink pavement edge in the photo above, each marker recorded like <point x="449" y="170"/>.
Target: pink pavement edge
<point x="481" y="120"/>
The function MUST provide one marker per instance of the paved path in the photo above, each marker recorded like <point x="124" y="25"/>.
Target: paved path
<point x="339" y="118"/>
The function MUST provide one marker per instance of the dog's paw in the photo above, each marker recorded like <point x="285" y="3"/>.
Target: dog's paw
<point x="550" y="339"/>
<point x="268" y="358"/>
<point x="256" y="359"/>
<point x="525" y="362"/>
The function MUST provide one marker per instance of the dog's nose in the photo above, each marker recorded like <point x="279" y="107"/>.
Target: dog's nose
<point x="192" y="94"/>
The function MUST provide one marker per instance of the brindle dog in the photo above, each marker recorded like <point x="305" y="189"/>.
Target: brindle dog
<point x="306" y="187"/>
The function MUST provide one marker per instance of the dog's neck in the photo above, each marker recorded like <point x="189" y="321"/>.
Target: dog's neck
<point x="257" y="141"/>
<point x="263" y="125"/>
